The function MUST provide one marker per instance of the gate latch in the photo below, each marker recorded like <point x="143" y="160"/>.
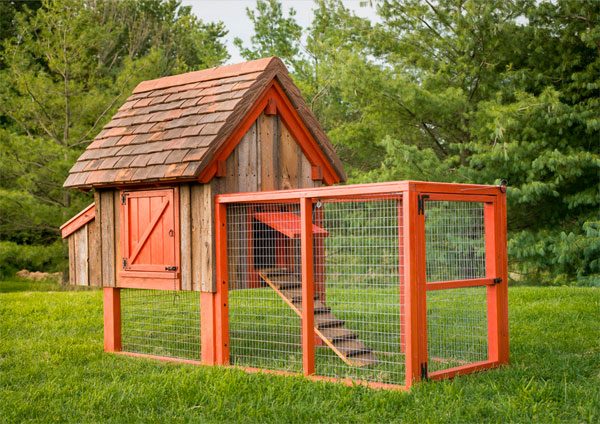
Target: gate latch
<point x="170" y="268"/>
<point x="497" y="280"/>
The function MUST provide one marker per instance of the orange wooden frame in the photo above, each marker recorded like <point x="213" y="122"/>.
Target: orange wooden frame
<point x="413" y="298"/>
<point x="411" y="220"/>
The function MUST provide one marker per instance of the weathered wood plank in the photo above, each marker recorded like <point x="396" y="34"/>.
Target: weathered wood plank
<point x="94" y="260"/>
<point x="185" y="224"/>
<point x="81" y="247"/>
<point x="248" y="161"/>
<point x="207" y="242"/>
<point x="117" y="233"/>
<point x="290" y="159"/>
<point x="269" y="152"/>
<point x="305" y="175"/>
<point x="196" y="191"/>
<point x="107" y="231"/>
<point x="72" y="259"/>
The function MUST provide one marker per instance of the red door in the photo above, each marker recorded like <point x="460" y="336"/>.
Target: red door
<point x="149" y="239"/>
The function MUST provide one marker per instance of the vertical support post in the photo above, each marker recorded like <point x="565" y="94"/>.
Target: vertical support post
<point x="308" y="315"/>
<point x="414" y="287"/>
<point x="112" y="319"/>
<point x="221" y="302"/>
<point x="207" y="327"/>
<point x="496" y="267"/>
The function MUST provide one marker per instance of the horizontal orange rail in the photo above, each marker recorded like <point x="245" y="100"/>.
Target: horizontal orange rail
<point x="457" y="284"/>
<point x="461" y="370"/>
<point x="358" y="190"/>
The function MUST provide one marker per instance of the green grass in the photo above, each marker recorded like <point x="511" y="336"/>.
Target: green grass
<point x="52" y="368"/>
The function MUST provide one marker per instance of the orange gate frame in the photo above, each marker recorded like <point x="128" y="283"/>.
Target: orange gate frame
<point x="215" y="310"/>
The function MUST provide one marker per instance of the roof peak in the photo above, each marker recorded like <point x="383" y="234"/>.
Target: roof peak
<point x="209" y="74"/>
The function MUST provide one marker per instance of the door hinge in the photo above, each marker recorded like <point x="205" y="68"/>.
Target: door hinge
<point x="124" y="263"/>
<point x="424" y="371"/>
<point x="124" y="198"/>
<point x="421" y="204"/>
<point x="170" y="268"/>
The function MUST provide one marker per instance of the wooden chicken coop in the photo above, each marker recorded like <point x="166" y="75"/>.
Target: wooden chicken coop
<point x="219" y="238"/>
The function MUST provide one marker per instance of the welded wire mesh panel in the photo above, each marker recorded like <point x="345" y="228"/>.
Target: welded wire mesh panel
<point x="454" y="238"/>
<point x="358" y="269"/>
<point x="159" y="322"/>
<point x="265" y="286"/>
<point x="456" y="327"/>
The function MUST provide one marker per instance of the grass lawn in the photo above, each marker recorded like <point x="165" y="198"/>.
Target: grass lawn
<point x="52" y="368"/>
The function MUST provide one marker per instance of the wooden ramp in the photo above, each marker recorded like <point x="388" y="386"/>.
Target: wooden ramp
<point x="330" y="329"/>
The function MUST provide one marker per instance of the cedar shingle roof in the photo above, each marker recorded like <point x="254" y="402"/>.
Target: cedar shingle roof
<point x="170" y="128"/>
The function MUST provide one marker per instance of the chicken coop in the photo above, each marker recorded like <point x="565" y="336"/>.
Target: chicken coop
<point x="220" y="238"/>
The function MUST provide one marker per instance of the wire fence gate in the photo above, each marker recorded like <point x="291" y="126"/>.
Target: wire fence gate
<point x="382" y="284"/>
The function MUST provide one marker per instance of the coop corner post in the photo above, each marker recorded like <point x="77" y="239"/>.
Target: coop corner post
<point x="496" y="267"/>
<point x="308" y="340"/>
<point x="414" y="288"/>
<point x="112" y="319"/>
<point x="221" y="302"/>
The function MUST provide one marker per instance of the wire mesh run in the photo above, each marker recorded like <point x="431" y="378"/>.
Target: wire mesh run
<point x="162" y="323"/>
<point x="358" y="281"/>
<point x="455" y="240"/>
<point x="265" y="286"/>
<point x="456" y="327"/>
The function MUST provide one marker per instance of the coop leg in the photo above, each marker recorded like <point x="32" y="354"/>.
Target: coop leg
<point x="112" y="319"/>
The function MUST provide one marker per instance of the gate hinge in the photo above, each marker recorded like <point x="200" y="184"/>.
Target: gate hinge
<point x="124" y="263"/>
<point x="497" y="280"/>
<point x="421" y="204"/>
<point x="123" y="198"/>
<point x="424" y="371"/>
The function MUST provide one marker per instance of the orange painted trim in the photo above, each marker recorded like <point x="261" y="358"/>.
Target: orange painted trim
<point x="78" y="221"/>
<point x="460" y="197"/>
<point x="462" y="370"/>
<point x="496" y="266"/>
<point x="149" y="277"/>
<point x="150" y="283"/>
<point x="221" y="298"/>
<point x="207" y="328"/>
<point x="271" y="108"/>
<point x="411" y="298"/>
<point x="453" y="188"/>
<point x="112" y="319"/>
<point x="457" y="284"/>
<point x="322" y="193"/>
<point x="292" y="121"/>
<point x="316" y="173"/>
<point x="308" y="289"/>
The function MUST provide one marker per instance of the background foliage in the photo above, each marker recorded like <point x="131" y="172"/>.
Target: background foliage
<point x="446" y="90"/>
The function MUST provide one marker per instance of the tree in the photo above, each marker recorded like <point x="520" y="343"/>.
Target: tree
<point x="473" y="92"/>
<point x="68" y="67"/>
<point x="274" y="33"/>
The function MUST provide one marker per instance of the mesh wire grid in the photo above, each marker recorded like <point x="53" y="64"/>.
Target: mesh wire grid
<point x="358" y="271"/>
<point x="456" y="318"/>
<point x="454" y="237"/>
<point x="264" y="286"/>
<point x="159" y="322"/>
<point x="456" y="327"/>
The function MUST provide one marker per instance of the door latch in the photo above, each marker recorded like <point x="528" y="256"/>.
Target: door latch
<point x="170" y="268"/>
